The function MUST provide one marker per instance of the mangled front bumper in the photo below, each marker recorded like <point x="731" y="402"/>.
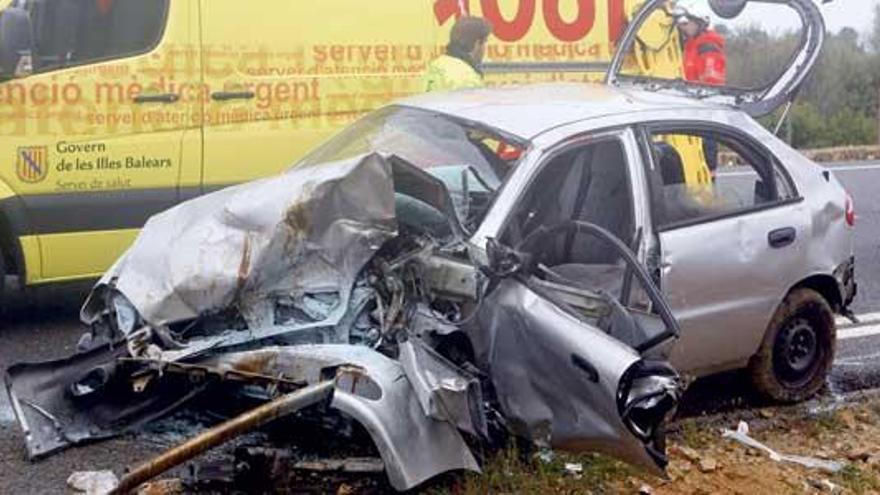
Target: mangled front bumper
<point x="372" y="389"/>
<point x="414" y="446"/>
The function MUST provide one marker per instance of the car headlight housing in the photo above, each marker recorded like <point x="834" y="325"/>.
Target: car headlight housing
<point x="125" y="316"/>
<point x="647" y="398"/>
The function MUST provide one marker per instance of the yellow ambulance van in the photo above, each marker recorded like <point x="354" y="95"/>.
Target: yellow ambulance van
<point x="113" y="110"/>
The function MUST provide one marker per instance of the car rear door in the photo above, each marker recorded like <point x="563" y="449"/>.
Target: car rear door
<point x="754" y="84"/>
<point x="730" y="249"/>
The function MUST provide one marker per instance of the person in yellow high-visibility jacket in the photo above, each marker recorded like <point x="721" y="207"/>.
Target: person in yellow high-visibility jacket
<point x="460" y="66"/>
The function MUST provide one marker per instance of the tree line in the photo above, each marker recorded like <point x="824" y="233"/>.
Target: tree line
<point x="839" y="104"/>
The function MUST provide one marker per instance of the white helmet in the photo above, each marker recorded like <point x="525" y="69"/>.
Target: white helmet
<point x="691" y="11"/>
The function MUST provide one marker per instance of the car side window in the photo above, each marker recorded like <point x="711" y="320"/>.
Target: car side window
<point x="75" y="32"/>
<point x="585" y="183"/>
<point x="574" y="224"/>
<point x="700" y="175"/>
<point x="588" y="183"/>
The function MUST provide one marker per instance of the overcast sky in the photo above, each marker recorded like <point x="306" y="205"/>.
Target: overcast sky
<point x="857" y="14"/>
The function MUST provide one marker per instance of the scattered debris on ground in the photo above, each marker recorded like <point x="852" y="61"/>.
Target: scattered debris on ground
<point x="92" y="482"/>
<point x="703" y="461"/>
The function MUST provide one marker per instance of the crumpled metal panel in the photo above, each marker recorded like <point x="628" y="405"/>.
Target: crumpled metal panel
<point x="444" y="391"/>
<point x="413" y="446"/>
<point x="52" y="416"/>
<point x="556" y="377"/>
<point x="310" y="229"/>
<point x="335" y="329"/>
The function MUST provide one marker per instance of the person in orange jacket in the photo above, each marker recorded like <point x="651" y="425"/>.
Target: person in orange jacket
<point x="704" y="58"/>
<point x="705" y="63"/>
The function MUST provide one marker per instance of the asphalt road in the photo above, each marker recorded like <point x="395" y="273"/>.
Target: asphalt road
<point x="857" y="364"/>
<point x="46" y="328"/>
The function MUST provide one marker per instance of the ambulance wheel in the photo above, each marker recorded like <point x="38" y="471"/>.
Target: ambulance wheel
<point x="798" y="349"/>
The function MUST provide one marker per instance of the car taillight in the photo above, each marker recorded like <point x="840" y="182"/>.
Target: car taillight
<point x="850" y="211"/>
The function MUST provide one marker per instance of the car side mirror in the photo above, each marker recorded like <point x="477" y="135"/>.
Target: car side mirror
<point x="16" y="44"/>
<point x="727" y="9"/>
<point x="503" y="260"/>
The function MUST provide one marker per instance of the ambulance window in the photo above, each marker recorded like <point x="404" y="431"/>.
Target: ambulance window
<point x="704" y="175"/>
<point x="76" y="32"/>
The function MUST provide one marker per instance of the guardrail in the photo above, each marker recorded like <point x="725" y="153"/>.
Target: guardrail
<point x="844" y="154"/>
<point x="839" y="154"/>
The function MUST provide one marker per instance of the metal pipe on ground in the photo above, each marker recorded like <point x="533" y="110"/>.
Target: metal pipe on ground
<point x="244" y="423"/>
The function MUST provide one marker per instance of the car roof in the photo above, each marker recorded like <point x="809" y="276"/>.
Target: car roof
<point x="530" y="110"/>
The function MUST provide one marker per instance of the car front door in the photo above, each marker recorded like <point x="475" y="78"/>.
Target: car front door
<point x="566" y="359"/>
<point x="572" y="330"/>
<point x="729" y="250"/>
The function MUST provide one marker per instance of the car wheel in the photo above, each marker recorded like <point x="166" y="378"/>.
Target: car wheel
<point x="798" y="348"/>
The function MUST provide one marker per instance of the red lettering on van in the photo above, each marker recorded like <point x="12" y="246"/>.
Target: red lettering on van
<point x="514" y="29"/>
<point x="570" y="31"/>
<point x="445" y="9"/>
<point x="616" y="20"/>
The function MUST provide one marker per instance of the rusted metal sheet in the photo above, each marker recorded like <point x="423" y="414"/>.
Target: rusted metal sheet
<point x="278" y="408"/>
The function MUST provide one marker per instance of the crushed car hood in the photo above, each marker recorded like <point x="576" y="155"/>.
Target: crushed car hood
<point x="309" y="230"/>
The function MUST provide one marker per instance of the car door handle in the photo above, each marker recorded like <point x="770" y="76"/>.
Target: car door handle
<point x="160" y="98"/>
<point x="232" y="95"/>
<point x="780" y="238"/>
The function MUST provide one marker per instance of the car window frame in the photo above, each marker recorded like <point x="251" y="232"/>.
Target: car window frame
<point x="646" y="130"/>
<point x="549" y="154"/>
<point x="154" y="44"/>
<point x="641" y="276"/>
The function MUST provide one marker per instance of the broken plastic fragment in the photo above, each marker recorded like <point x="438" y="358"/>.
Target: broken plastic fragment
<point x="93" y="482"/>
<point x="545" y="455"/>
<point x="308" y="308"/>
<point x="741" y="435"/>
<point x="575" y="468"/>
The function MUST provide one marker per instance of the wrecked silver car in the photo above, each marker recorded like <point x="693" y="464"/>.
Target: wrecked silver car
<point x="354" y="268"/>
<point x="459" y="265"/>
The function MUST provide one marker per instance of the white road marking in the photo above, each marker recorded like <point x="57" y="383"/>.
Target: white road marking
<point x="858" y="332"/>
<point x="864" y="319"/>
<point x="858" y="360"/>
<point x="868" y="326"/>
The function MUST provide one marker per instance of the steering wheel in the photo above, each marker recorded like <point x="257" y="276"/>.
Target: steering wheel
<point x="536" y="245"/>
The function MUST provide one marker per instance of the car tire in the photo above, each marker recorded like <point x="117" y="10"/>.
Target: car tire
<point x="798" y="349"/>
